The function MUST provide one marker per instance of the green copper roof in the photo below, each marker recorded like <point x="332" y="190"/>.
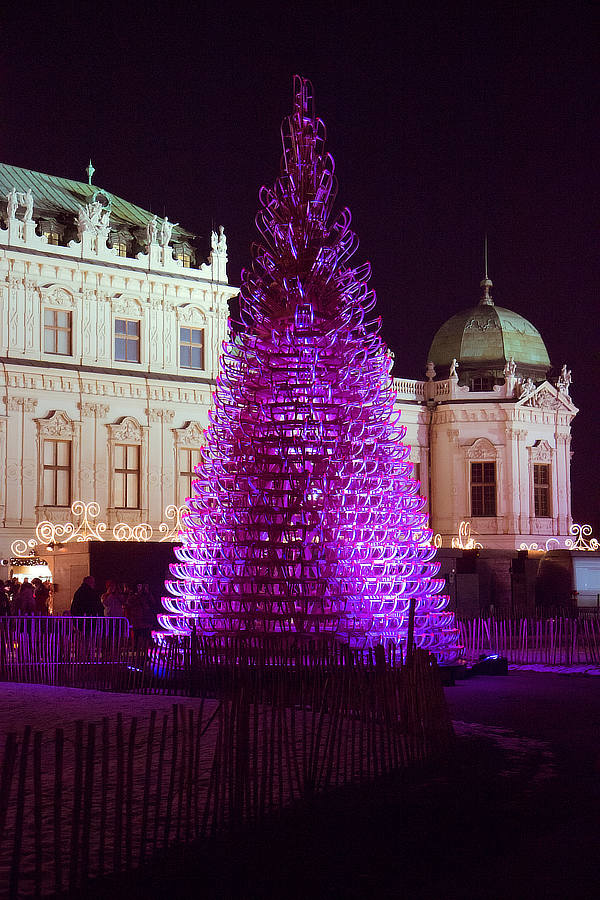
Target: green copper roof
<point x="53" y="195"/>
<point x="488" y="334"/>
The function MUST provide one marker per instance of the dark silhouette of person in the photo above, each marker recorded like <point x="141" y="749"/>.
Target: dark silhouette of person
<point x="86" y="599"/>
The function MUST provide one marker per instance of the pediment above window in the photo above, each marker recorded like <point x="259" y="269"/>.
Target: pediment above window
<point x="541" y="452"/>
<point x="191" y="435"/>
<point x="128" y="429"/>
<point x="482" y="448"/>
<point x="56" y="295"/>
<point x="57" y="424"/>
<point x="189" y="313"/>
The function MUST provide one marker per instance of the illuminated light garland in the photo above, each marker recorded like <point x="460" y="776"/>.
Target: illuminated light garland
<point x="580" y="533"/>
<point x="305" y="516"/>
<point x="58" y="533"/>
<point x="464" y="540"/>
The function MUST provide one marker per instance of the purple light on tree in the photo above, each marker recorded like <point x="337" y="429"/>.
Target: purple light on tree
<point x="305" y="517"/>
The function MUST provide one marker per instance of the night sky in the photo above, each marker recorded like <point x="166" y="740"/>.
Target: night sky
<point x="444" y="124"/>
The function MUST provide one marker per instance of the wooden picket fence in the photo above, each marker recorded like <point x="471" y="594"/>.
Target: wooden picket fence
<point x="100" y="654"/>
<point x="557" y="641"/>
<point x="105" y="797"/>
<point x="60" y="650"/>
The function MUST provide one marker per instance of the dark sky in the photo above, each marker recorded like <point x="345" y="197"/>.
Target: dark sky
<point x="444" y="124"/>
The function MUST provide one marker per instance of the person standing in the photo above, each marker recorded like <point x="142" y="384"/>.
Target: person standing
<point x="112" y="600"/>
<point x="86" y="599"/>
<point x="41" y="596"/>
<point x="25" y="602"/>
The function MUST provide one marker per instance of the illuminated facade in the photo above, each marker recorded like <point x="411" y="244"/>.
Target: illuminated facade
<point x="111" y="330"/>
<point x="492" y="436"/>
<point x="109" y="334"/>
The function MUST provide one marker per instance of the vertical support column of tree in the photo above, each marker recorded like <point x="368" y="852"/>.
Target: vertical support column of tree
<point x="305" y="517"/>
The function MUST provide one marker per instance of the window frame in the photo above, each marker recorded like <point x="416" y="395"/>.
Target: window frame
<point x="55" y="329"/>
<point x="56" y="468"/>
<point x="489" y="509"/>
<point x="137" y="339"/>
<point x="125" y="471"/>
<point x="188" y="474"/>
<point x="542" y="490"/>
<point x="191" y="345"/>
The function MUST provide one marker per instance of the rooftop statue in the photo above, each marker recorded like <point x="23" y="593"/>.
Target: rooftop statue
<point x="12" y="203"/>
<point x="166" y="230"/>
<point x="222" y="242"/>
<point x="26" y="200"/>
<point x="564" y="380"/>
<point x="152" y="230"/>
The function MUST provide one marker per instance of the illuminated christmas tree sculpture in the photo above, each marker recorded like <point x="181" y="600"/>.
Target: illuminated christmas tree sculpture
<point x="305" y="517"/>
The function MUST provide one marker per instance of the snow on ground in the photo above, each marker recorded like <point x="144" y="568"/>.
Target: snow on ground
<point x="517" y="749"/>
<point x="46" y="707"/>
<point x="556" y="670"/>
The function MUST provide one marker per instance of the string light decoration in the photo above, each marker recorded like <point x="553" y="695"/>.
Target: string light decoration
<point x="305" y="516"/>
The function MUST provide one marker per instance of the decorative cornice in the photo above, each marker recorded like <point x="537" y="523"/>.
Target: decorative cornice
<point x="89" y="410"/>
<point x="27" y="404"/>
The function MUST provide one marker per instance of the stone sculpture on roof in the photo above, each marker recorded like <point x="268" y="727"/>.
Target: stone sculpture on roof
<point x="12" y="203"/>
<point x="166" y="230"/>
<point x="564" y="380"/>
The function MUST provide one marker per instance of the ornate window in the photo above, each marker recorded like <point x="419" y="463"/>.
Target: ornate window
<point x="188" y="444"/>
<point x="56" y="483"/>
<point x="483" y="489"/>
<point x="191" y="348"/>
<point x="541" y="490"/>
<point x="189" y="457"/>
<point x="58" y="447"/>
<point x="57" y="331"/>
<point x="541" y="456"/>
<point x="127" y="340"/>
<point x="126" y="479"/>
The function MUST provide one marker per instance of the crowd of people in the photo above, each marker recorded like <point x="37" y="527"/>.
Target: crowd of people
<point x="135" y="603"/>
<point x="25" y="598"/>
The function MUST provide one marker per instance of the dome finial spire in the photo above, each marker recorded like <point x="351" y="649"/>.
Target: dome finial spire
<point x="486" y="284"/>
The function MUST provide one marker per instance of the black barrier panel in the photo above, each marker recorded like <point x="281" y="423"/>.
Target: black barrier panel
<point x="131" y="562"/>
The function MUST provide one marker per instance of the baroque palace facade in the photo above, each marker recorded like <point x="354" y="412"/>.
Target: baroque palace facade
<point x="110" y="332"/>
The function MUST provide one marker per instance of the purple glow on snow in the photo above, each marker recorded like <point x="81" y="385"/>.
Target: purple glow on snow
<point x="305" y="517"/>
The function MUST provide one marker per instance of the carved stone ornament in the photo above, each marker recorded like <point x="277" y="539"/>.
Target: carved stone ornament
<point x="192" y="435"/>
<point x="544" y="398"/>
<point x="541" y="452"/>
<point x="58" y="296"/>
<point x="27" y="404"/>
<point x="482" y="448"/>
<point x="190" y="313"/>
<point x="89" y="410"/>
<point x="129" y="429"/>
<point x="127" y="306"/>
<point x="57" y="424"/>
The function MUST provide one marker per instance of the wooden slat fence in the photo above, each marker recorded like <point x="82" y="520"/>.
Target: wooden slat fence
<point x="107" y="796"/>
<point x="558" y="641"/>
<point x="61" y="650"/>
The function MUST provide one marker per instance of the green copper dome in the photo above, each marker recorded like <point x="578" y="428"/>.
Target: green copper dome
<point x="487" y="337"/>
